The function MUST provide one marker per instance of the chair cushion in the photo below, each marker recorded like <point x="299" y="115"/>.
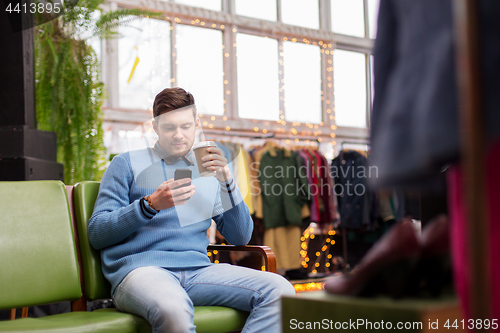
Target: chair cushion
<point x="38" y="253"/>
<point x="218" y="319"/>
<point x="209" y="319"/>
<point x="81" y="322"/>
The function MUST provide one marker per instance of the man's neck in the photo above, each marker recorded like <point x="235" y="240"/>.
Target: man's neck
<point x="170" y="159"/>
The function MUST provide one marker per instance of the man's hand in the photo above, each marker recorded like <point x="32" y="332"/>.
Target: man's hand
<point x="169" y="194"/>
<point x="218" y="163"/>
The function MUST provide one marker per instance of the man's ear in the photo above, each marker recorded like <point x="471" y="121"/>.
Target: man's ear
<point x="197" y="122"/>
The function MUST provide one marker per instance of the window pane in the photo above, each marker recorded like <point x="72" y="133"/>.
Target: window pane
<point x="303" y="13"/>
<point x="258" y="81"/>
<point x="348" y="17"/>
<point x="199" y="67"/>
<point x="302" y="65"/>
<point x="372" y="77"/>
<point x="261" y="9"/>
<point x="148" y="41"/>
<point x="207" y="4"/>
<point x="372" y="16"/>
<point x="93" y="40"/>
<point x="350" y="88"/>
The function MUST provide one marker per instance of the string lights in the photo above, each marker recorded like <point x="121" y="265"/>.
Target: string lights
<point x="282" y="128"/>
<point x="323" y="253"/>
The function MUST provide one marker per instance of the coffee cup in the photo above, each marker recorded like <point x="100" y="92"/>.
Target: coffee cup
<point x="201" y="150"/>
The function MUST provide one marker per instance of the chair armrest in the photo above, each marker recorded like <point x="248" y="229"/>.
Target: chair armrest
<point x="265" y="251"/>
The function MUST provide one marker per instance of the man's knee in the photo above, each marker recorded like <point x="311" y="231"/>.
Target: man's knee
<point x="167" y="318"/>
<point x="279" y="286"/>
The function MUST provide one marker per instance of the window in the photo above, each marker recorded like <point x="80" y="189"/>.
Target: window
<point x="199" y="67"/>
<point x="303" y="13"/>
<point x="207" y="4"/>
<point x="348" y="17"/>
<point x="349" y="70"/>
<point x="372" y="16"/>
<point x="95" y="41"/>
<point x="258" y="81"/>
<point x="302" y="64"/>
<point x="147" y="47"/>
<point x="260" y="9"/>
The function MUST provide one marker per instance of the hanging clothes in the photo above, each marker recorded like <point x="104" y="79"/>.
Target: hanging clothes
<point x="255" y="179"/>
<point x="313" y="182"/>
<point x="244" y="176"/>
<point x="355" y="200"/>
<point x="284" y="193"/>
<point x="285" y="242"/>
<point x="284" y="188"/>
<point x="238" y="162"/>
<point x="325" y="184"/>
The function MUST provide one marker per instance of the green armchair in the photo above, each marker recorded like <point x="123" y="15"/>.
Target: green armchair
<point x="208" y="319"/>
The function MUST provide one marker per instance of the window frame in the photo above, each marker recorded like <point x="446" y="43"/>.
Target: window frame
<point x="328" y="130"/>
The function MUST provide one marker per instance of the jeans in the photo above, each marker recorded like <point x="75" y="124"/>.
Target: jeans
<point x="166" y="298"/>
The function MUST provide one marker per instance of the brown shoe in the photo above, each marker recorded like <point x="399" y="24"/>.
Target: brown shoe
<point x="384" y="268"/>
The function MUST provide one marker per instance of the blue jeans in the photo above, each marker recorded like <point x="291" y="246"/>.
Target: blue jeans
<point x="166" y="298"/>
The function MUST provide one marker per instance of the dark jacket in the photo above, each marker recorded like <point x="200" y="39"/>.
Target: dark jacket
<point x="350" y="174"/>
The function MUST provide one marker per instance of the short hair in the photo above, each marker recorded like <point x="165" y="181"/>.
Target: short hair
<point x="171" y="99"/>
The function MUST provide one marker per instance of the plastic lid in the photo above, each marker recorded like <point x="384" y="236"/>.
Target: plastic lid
<point x="204" y="144"/>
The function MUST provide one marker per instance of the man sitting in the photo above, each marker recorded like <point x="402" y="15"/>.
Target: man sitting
<point x="152" y="231"/>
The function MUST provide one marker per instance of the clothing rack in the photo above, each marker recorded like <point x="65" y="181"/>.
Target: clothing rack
<point x="353" y="143"/>
<point x="239" y="134"/>
<point x="258" y="136"/>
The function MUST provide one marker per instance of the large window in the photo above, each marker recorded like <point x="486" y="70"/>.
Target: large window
<point x="207" y="4"/>
<point x="199" y="67"/>
<point x="348" y="17"/>
<point x="95" y="41"/>
<point x="258" y="81"/>
<point x="349" y="70"/>
<point x="302" y="64"/>
<point x="373" y="15"/>
<point x="260" y="9"/>
<point x="303" y="13"/>
<point x="255" y="68"/>
<point x="144" y="62"/>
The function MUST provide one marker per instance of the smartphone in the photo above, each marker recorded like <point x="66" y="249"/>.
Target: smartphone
<point x="181" y="174"/>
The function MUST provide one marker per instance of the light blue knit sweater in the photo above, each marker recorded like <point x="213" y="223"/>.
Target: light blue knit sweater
<point x="131" y="236"/>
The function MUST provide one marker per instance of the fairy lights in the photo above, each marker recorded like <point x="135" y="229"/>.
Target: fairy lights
<point x="311" y="286"/>
<point x="293" y="128"/>
<point x="309" y="234"/>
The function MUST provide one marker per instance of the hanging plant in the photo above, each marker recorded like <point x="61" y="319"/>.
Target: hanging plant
<point x="69" y="91"/>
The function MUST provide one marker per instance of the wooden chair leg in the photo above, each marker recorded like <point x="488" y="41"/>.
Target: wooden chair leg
<point x="24" y="313"/>
<point x="12" y="314"/>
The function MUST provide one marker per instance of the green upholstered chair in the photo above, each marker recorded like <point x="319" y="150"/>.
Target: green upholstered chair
<point x="39" y="261"/>
<point x="209" y="319"/>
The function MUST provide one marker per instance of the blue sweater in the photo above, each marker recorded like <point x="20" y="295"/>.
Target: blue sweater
<point x="131" y="235"/>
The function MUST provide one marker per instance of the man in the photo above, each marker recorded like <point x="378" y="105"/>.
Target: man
<point x="152" y="232"/>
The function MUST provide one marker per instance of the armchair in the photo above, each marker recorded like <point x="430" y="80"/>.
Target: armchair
<point x="207" y="318"/>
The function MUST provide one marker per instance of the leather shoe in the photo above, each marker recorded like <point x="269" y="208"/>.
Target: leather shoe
<point x="385" y="266"/>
